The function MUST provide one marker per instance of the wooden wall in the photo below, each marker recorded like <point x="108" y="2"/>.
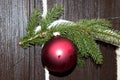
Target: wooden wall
<point x="17" y="63"/>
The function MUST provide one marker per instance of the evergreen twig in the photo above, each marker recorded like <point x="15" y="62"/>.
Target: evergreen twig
<point x="83" y="33"/>
<point x="53" y="14"/>
<point x="33" y="22"/>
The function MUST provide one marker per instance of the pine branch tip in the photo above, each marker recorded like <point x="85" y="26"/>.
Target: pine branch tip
<point x="20" y="43"/>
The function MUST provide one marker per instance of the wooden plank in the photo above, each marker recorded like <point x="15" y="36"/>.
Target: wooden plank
<point x="6" y="59"/>
<point x="108" y="68"/>
<point x="17" y="63"/>
<point x="39" y="70"/>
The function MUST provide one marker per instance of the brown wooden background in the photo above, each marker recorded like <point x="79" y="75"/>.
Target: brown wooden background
<point x="25" y="64"/>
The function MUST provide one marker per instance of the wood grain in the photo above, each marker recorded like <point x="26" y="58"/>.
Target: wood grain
<point x="17" y="63"/>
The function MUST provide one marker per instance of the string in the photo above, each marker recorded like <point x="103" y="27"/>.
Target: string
<point x="44" y="2"/>
<point x="46" y="74"/>
<point x="118" y="63"/>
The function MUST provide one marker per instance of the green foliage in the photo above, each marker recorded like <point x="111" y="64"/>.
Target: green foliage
<point x="108" y="36"/>
<point x="33" y="21"/>
<point x="83" y="33"/>
<point x="92" y="48"/>
<point x="94" y="23"/>
<point x="53" y="14"/>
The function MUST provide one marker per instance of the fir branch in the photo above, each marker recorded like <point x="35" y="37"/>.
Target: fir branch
<point x="33" y="22"/>
<point x="26" y="40"/>
<point x="100" y="30"/>
<point x="82" y="33"/>
<point x="92" y="48"/>
<point x="78" y="28"/>
<point x="94" y="22"/>
<point x="85" y="44"/>
<point x="53" y="14"/>
<point x="108" y="36"/>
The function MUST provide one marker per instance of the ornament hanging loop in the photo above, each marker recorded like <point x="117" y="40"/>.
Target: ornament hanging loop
<point x="44" y="2"/>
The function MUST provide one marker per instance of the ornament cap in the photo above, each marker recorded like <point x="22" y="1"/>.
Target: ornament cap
<point x="56" y="33"/>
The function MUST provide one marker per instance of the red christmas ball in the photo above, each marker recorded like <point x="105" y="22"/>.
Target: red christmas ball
<point x="59" y="54"/>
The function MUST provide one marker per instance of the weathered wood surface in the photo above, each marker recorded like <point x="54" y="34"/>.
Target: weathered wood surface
<point x="25" y="64"/>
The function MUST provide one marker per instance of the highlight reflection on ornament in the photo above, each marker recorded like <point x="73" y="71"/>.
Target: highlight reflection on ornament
<point x="59" y="53"/>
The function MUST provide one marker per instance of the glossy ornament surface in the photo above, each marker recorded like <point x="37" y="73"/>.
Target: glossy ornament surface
<point x="59" y="54"/>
